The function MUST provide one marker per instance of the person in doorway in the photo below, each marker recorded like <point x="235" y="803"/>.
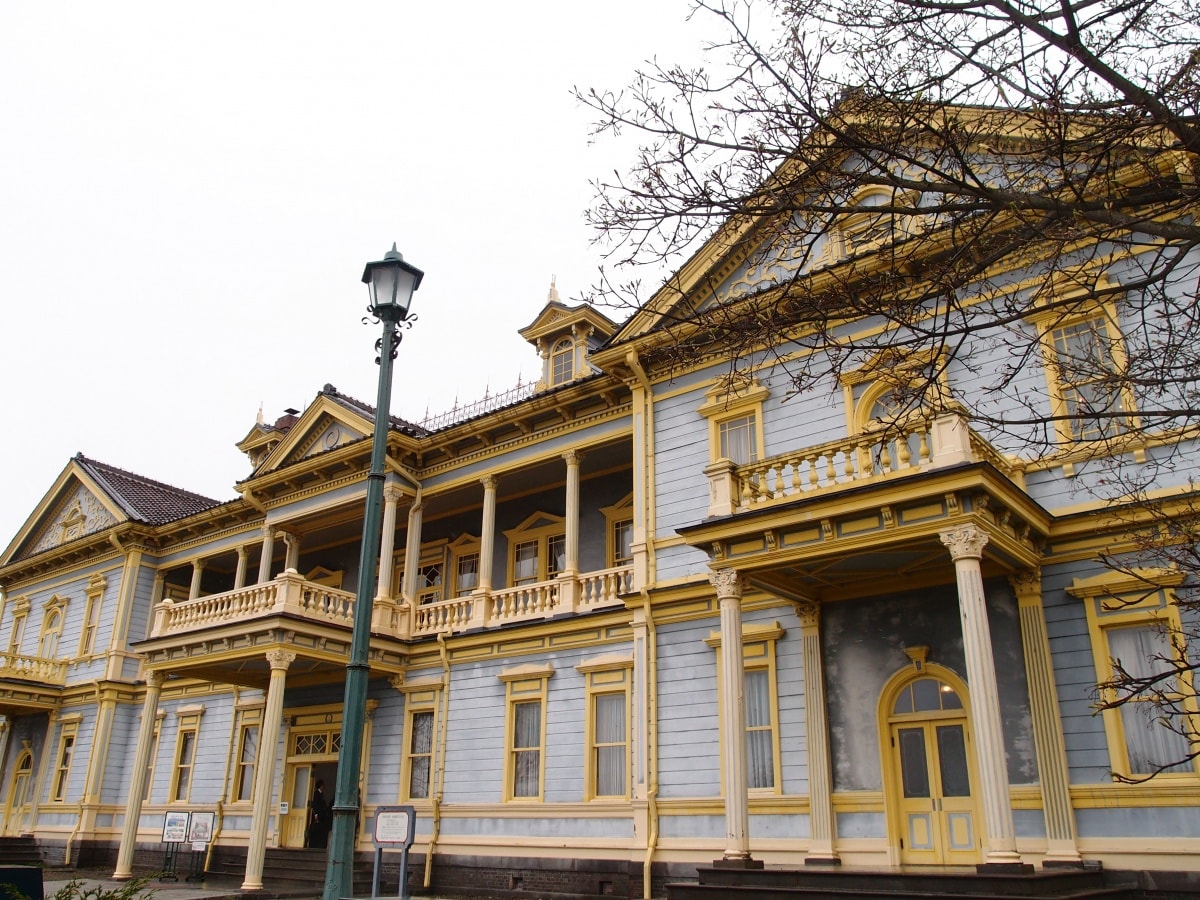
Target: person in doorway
<point x="320" y="818"/>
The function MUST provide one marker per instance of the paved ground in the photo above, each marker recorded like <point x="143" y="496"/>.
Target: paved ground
<point x="94" y="882"/>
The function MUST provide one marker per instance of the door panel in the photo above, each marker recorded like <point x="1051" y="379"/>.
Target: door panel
<point x="937" y="811"/>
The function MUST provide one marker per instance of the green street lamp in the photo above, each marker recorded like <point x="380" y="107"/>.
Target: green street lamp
<point x="392" y="283"/>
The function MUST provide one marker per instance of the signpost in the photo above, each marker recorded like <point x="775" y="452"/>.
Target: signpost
<point x="174" y="833"/>
<point x="395" y="827"/>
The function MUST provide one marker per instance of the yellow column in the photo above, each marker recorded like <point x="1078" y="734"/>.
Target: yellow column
<point x="264" y="769"/>
<point x="197" y="574"/>
<point x="268" y="550"/>
<point x="1061" y="849"/>
<point x="412" y="554"/>
<point x="487" y="535"/>
<point x="239" y="577"/>
<point x="816" y="729"/>
<point x="966" y="547"/>
<point x="137" y="780"/>
<point x="573" y="458"/>
<point x="733" y="722"/>
<point x="391" y="497"/>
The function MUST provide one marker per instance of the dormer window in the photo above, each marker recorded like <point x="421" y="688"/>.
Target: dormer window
<point x="562" y="362"/>
<point x="564" y="336"/>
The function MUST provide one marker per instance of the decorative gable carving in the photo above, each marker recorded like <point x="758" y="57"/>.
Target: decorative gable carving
<point x="327" y="434"/>
<point x="78" y="513"/>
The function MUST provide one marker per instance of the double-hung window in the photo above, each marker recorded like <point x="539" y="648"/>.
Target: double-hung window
<point x="62" y="764"/>
<point x="249" y="738"/>
<point x="1084" y="359"/>
<point x="1147" y="696"/>
<point x="734" y="413"/>
<point x="607" y="767"/>
<point x="760" y="704"/>
<point x="91" y="617"/>
<point x="186" y="740"/>
<point x="525" y="729"/>
<point x="421" y="700"/>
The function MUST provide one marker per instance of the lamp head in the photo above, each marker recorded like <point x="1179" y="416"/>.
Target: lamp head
<point x="392" y="283"/>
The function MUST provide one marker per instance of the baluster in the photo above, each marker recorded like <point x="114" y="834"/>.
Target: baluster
<point x="830" y="471"/>
<point x="923" y="449"/>
<point x="903" y="452"/>
<point x="813" y="477"/>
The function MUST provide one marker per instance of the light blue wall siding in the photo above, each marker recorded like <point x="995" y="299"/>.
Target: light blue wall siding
<point x="688" y="755"/>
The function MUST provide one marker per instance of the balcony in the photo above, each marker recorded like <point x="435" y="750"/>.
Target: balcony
<point x="920" y="445"/>
<point x="586" y="592"/>
<point x="290" y="594"/>
<point x="287" y="594"/>
<point x="38" y="669"/>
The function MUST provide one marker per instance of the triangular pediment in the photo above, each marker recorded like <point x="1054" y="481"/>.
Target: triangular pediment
<point x="557" y="318"/>
<point x="73" y="508"/>
<point x="325" y="426"/>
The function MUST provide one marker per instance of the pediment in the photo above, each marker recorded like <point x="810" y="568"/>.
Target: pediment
<point x="73" y="508"/>
<point x="557" y="318"/>
<point x="323" y="427"/>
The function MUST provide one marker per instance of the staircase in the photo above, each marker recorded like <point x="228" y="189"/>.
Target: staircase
<point x="19" y="851"/>
<point x="298" y="873"/>
<point x="846" y="883"/>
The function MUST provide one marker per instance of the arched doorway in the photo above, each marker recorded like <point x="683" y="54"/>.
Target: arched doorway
<point x="929" y="768"/>
<point x="20" y="794"/>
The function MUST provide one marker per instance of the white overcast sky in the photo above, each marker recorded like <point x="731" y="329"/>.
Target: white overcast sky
<point x="189" y="192"/>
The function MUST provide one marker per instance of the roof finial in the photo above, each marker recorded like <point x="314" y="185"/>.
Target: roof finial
<point x="552" y="297"/>
<point x="260" y="418"/>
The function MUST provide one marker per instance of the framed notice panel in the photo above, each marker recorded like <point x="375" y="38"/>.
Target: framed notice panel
<point x="395" y="826"/>
<point x="201" y="829"/>
<point x="175" y="827"/>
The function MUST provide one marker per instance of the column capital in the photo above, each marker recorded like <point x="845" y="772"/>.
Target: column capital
<point x="392" y="493"/>
<point x="243" y="551"/>
<point x="965" y="542"/>
<point x="809" y="613"/>
<point x="1027" y="585"/>
<point x="727" y="582"/>
<point x="268" y="530"/>
<point x="199" y="564"/>
<point x="489" y="482"/>
<point x="155" y="678"/>
<point x="280" y="659"/>
<point x="573" y="457"/>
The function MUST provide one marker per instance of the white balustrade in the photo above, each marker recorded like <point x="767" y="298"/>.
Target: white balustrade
<point x="520" y="604"/>
<point x="287" y="593"/>
<point x="33" y="668"/>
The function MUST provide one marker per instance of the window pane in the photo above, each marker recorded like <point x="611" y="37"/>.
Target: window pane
<point x="467" y="577"/>
<point x="952" y="761"/>
<point x="738" y="442"/>
<point x="610" y="771"/>
<point x="418" y="781"/>
<point x="527" y="740"/>
<point x="557" y="553"/>
<point x="623" y="542"/>
<point x="525" y="562"/>
<point x="913" y="769"/>
<point x="422" y="733"/>
<point x="925" y="695"/>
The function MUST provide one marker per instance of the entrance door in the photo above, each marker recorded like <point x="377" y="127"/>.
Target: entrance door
<point x="19" y="794"/>
<point x="313" y="745"/>
<point x="938" y="820"/>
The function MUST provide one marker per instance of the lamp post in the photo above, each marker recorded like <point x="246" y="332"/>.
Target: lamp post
<point x="392" y="282"/>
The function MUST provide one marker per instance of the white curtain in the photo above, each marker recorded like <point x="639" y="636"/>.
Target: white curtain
<point x="610" y="745"/>
<point x="1148" y="741"/>
<point x="527" y="749"/>
<point x="420" y="754"/>
<point x="760" y="763"/>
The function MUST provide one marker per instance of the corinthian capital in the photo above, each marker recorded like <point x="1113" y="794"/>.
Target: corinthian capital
<point x="965" y="542"/>
<point x="727" y="582"/>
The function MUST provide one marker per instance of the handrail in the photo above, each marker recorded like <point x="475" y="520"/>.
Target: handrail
<point x="33" y="668"/>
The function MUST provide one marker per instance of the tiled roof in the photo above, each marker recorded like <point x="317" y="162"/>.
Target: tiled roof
<point x="143" y="498"/>
<point x="363" y="409"/>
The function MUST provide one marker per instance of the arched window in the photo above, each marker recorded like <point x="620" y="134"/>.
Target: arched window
<point x="562" y="362"/>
